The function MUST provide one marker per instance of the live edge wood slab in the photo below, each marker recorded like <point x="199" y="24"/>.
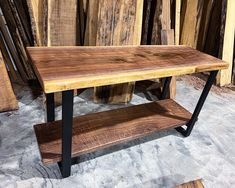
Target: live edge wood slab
<point x="67" y="68"/>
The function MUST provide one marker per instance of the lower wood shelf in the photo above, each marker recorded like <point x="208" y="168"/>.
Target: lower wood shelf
<point x="100" y="130"/>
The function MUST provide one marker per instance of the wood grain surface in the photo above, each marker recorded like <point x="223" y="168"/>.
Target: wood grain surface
<point x="38" y="15"/>
<point x="192" y="184"/>
<point x="191" y="18"/>
<point x="7" y="97"/>
<point x="62" y="23"/>
<point x="225" y="76"/>
<point x="100" y="130"/>
<point x="66" y="68"/>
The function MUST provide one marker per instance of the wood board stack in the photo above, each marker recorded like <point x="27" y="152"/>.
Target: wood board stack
<point x="209" y="26"/>
<point x="7" y="97"/>
<point x="15" y="35"/>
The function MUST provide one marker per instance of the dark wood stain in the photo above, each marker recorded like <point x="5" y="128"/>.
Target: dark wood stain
<point x="57" y="65"/>
<point x="192" y="184"/>
<point x="103" y="129"/>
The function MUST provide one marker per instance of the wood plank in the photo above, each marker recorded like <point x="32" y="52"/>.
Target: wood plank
<point x="8" y="59"/>
<point x="9" y="13"/>
<point x="166" y="14"/>
<point x="81" y="23"/>
<point x="91" y="24"/>
<point x="62" y="23"/>
<point x="222" y="27"/>
<point x="190" y="22"/>
<point x="8" y="43"/>
<point x="206" y="20"/>
<point x="212" y="43"/>
<point x="146" y="21"/>
<point x="177" y="21"/>
<point x="155" y="32"/>
<point x="23" y="12"/>
<point x="38" y="15"/>
<point x="7" y="97"/>
<point x="225" y="76"/>
<point x="192" y="184"/>
<point x="112" y="23"/>
<point x="83" y="67"/>
<point x="15" y="7"/>
<point x="103" y="129"/>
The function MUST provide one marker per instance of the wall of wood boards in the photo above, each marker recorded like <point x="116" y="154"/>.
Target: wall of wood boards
<point x="16" y="34"/>
<point x="208" y="26"/>
<point x="225" y="76"/>
<point x="201" y="24"/>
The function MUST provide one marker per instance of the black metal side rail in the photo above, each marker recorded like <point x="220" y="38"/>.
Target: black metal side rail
<point x="67" y="118"/>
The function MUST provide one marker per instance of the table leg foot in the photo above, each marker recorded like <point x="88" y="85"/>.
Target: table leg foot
<point x="186" y="132"/>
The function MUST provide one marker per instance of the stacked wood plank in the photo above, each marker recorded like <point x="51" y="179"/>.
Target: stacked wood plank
<point x="210" y="27"/>
<point x="7" y="97"/>
<point x="15" y="36"/>
<point x="37" y="10"/>
<point x="225" y="77"/>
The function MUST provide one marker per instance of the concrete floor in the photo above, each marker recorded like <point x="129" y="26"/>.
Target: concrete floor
<point x="161" y="160"/>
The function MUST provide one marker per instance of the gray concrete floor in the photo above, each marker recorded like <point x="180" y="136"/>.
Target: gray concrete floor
<point x="161" y="160"/>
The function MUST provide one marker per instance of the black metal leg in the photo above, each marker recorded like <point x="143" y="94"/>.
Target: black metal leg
<point x="199" y="106"/>
<point x="165" y="91"/>
<point x="67" y="124"/>
<point x="50" y="105"/>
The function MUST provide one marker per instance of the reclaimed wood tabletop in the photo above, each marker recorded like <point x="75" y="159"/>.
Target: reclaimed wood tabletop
<point x="67" y="68"/>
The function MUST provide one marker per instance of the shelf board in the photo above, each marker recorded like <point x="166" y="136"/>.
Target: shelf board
<point x="100" y="130"/>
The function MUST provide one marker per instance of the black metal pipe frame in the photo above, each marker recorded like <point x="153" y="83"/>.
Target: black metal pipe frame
<point x="186" y="132"/>
<point x="50" y="105"/>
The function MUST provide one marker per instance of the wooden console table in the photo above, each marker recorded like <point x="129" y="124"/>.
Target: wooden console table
<point x="68" y="68"/>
